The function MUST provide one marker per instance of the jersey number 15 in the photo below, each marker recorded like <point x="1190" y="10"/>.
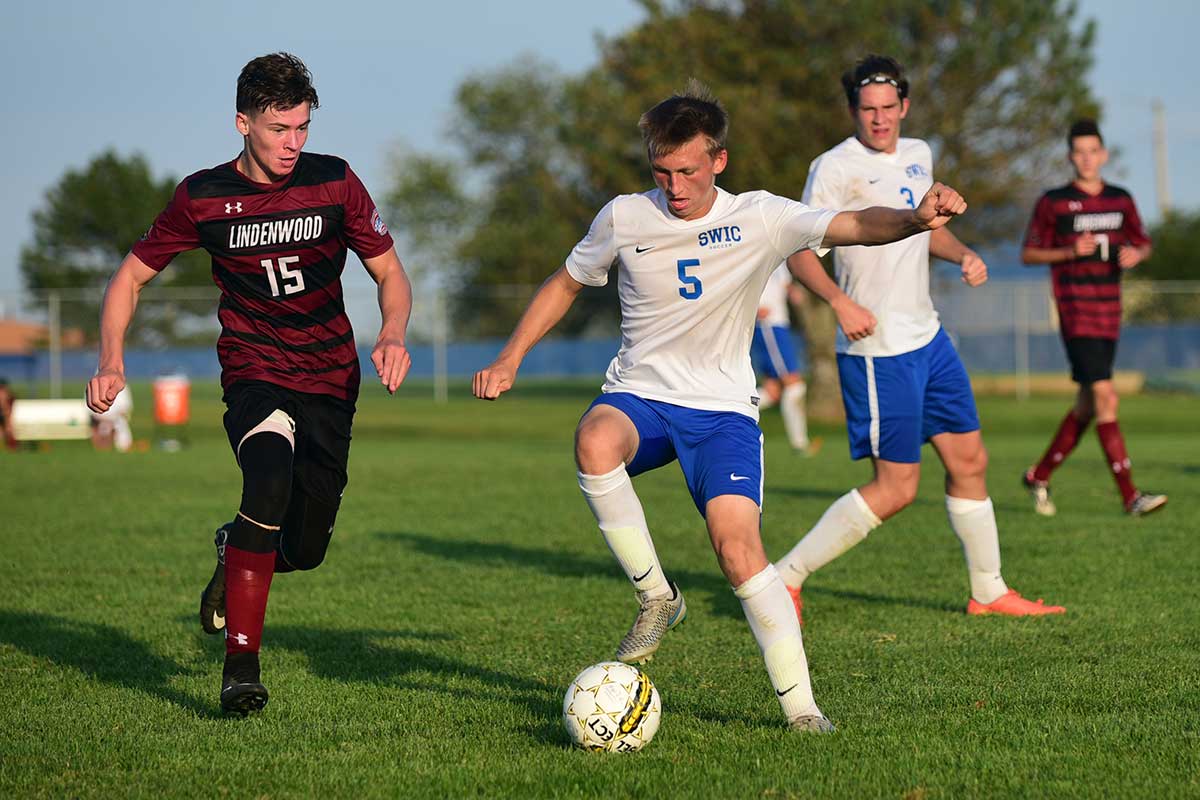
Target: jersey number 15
<point x="292" y="279"/>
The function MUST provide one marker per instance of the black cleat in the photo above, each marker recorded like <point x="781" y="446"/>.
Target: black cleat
<point x="212" y="599"/>
<point x="241" y="691"/>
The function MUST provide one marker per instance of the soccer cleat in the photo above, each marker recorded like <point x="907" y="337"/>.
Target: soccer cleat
<point x="797" y="602"/>
<point x="1011" y="604"/>
<point x="812" y="723"/>
<point x="1144" y="503"/>
<point x="1040" y="492"/>
<point x="654" y="619"/>
<point x="212" y="599"/>
<point x="241" y="689"/>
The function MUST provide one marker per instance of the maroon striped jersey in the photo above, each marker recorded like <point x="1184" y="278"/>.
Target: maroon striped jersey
<point x="1087" y="289"/>
<point x="278" y="250"/>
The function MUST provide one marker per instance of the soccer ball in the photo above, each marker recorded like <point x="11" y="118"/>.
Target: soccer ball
<point x="612" y="707"/>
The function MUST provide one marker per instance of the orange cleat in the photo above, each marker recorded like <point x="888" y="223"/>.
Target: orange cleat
<point x="795" y="593"/>
<point x="1011" y="604"/>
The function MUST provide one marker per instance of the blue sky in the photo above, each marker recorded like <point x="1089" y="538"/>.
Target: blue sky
<point x="158" y="77"/>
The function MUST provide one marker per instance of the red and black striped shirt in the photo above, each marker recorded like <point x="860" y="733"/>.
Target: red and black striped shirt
<point x="278" y="251"/>
<point x="1087" y="289"/>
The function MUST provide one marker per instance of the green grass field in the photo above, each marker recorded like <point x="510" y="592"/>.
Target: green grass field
<point x="467" y="584"/>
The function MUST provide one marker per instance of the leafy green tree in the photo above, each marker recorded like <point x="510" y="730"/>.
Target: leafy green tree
<point x="993" y="84"/>
<point x="1174" y="259"/>
<point x="87" y="224"/>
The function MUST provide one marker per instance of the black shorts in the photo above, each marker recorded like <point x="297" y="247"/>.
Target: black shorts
<point x="322" y="432"/>
<point x="1091" y="358"/>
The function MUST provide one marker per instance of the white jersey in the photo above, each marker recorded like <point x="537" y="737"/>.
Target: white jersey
<point x="775" y="297"/>
<point x="890" y="280"/>
<point x="689" y="290"/>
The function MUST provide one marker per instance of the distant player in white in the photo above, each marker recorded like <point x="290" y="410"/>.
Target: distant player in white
<point x="902" y="381"/>
<point x="693" y="260"/>
<point x="111" y="428"/>
<point x="774" y="358"/>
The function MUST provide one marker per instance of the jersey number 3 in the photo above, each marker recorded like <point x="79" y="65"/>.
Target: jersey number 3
<point x="292" y="279"/>
<point x="692" y="288"/>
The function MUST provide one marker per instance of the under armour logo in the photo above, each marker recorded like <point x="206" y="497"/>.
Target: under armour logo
<point x="232" y="207"/>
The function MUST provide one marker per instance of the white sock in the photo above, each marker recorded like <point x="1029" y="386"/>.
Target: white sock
<point x="974" y="522"/>
<point x="619" y="514"/>
<point x="843" y="525"/>
<point x="795" y="421"/>
<point x="773" y="620"/>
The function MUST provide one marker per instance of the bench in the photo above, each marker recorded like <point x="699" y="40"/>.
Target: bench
<point x="40" y="420"/>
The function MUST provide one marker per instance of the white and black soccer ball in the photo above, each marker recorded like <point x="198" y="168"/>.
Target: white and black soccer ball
<point x="612" y="707"/>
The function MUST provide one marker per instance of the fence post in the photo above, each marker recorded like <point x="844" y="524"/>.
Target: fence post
<point x="54" y="318"/>
<point x="440" y="383"/>
<point x="1021" y="338"/>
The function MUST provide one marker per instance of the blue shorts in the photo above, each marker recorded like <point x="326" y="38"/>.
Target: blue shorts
<point x="720" y="452"/>
<point x="772" y="351"/>
<point x="894" y="404"/>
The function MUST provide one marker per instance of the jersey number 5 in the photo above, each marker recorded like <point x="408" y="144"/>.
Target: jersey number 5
<point x="692" y="288"/>
<point x="292" y="279"/>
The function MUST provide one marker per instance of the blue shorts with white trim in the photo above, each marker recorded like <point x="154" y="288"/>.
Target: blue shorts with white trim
<point x="720" y="452"/>
<point x="894" y="404"/>
<point x="773" y="352"/>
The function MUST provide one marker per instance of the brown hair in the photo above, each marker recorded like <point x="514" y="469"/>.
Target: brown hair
<point x="870" y="69"/>
<point x="681" y="117"/>
<point x="1084" y="127"/>
<point x="278" y="80"/>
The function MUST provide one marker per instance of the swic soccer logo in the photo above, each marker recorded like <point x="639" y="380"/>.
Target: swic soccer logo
<point x="720" y="238"/>
<point x="916" y="171"/>
<point x="231" y="208"/>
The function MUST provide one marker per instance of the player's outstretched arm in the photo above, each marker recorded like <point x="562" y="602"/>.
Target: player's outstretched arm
<point x="545" y="310"/>
<point x="120" y="300"/>
<point x="390" y="355"/>
<point x="945" y="245"/>
<point x="855" y="321"/>
<point x="879" y="225"/>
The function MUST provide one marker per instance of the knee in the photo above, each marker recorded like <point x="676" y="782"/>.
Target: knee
<point x="972" y="466"/>
<point x="897" y="495"/>
<point x="307" y="531"/>
<point x="597" y="451"/>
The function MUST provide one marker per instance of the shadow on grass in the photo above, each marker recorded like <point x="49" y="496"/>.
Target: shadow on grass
<point x="562" y="564"/>
<point x="380" y="655"/>
<point x="567" y="565"/>
<point x="102" y="653"/>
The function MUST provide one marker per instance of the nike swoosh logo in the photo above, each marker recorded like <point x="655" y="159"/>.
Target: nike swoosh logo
<point x="639" y="578"/>
<point x="734" y="477"/>
<point x="873" y="180"/>
<point x="643" y="249"/>
<point x="218" y="620"/>
<point x="785" y="691"/>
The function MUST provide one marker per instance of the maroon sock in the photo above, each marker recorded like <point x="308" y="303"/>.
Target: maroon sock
<point x="1118" y="460"/>
<point x="247" y="584"/>
<point x="1069" y="431"/>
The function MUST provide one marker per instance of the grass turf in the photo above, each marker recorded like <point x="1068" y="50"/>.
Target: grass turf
<point x="467" y="584"/>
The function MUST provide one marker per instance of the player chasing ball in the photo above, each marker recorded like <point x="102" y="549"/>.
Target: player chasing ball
<point x="1089" y="232"/>
<point x="692" y="263"/>
<point x="277" y="222"/>
<point x="902" y="381"/>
